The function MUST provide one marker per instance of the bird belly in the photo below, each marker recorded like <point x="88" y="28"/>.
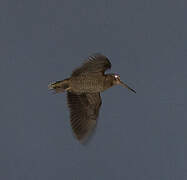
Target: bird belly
<point x="86" y="84"/>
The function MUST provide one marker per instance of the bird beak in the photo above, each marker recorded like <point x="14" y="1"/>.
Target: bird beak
<point x="126" y="86"/>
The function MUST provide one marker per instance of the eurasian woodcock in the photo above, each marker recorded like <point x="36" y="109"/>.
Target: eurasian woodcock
<point x="83" y="92"/>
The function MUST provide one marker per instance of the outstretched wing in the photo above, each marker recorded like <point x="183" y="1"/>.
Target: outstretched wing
<point x="96" y="63"/>
<point x="84" y="110"/>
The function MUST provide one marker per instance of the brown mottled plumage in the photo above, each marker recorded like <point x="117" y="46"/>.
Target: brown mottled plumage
<point x="83" y="92"/>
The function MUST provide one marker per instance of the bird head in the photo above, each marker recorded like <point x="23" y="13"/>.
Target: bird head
<point x="117" y="81"/>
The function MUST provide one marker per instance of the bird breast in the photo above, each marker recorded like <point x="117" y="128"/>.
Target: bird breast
<point x="89" y="84"/>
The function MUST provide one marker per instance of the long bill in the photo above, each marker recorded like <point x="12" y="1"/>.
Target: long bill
<point x="126" y="86"/>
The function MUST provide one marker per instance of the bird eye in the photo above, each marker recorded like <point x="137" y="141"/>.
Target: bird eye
<point x="116" y="76"/>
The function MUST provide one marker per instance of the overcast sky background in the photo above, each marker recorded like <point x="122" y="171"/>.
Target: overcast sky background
<point x="139" y="136"/>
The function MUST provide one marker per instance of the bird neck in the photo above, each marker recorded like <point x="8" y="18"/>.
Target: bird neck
<point x="109" y="81"/>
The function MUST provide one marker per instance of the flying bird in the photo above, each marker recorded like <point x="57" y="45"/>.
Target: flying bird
<point x="83" y="89"/>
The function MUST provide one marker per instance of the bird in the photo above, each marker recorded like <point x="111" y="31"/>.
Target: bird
<point x="83" y="89"/>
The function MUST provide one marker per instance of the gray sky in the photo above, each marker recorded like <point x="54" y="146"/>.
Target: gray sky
<point x="139" y="136"/>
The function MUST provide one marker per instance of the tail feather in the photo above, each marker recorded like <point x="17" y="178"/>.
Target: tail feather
<point x="59" y="86"/>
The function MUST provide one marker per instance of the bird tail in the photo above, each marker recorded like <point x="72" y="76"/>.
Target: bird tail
<point x="59" y="86"/>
